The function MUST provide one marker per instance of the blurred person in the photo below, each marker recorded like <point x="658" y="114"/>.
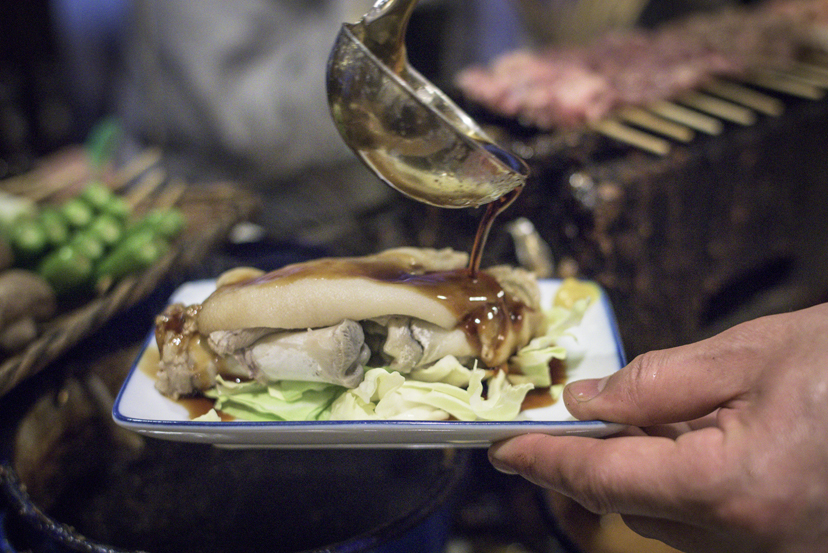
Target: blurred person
<point x="726" y="450"/>
<point x="236" y="91"/>
<point x="88" y="34"/>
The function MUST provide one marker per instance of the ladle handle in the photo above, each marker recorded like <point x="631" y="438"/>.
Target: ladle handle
<point x="384" y="28"/>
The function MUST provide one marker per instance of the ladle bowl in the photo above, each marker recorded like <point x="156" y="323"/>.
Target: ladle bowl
<point x="405" y="129"/>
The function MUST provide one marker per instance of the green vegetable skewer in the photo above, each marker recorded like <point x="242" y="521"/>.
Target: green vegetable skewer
<point x="77" y="213"/>
<point x="28" y="240"/>
<point x="67" y="270"/>
<point x="54" y="225"/>
<point x="137" y="252"/>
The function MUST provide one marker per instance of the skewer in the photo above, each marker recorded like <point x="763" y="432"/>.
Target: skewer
<point x="135" y="167"/>
<point x="780" y="83"/>
<point x="687" y="117"/>
<point x="171" y="193"/>
<point x="649" y="121"/>
<point x="718" y="108"/>
<point x="145" y="187"/>
<point x="806" y="76"/>
<point x="51" y="177"/>
<point x="812" y="68"/>
<point x="745" y="96"/>
<point x="632" y="137"/>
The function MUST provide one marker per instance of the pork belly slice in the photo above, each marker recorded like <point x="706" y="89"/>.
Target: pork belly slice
<point x="324" y="292"/>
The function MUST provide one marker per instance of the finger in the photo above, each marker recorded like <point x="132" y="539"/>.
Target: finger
<point x="672" y="385"/>
<point x="645" y="476"/>
<point x="705" y="422"/>
<point x="686" y="537"/>
<point x="674" y="430"/>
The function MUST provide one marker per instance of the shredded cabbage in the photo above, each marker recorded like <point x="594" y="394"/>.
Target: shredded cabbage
<point x="448" y="370"/>
<point x="531" y="363"/>
<point x="388" y="395"/>
<point x="287" y="400"/>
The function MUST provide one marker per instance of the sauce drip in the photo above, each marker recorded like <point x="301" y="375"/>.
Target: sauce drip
<point x="493" y="209"/>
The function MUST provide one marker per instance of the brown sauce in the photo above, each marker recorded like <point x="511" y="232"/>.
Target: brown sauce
<point x="540" y="397"/>
<point x="557" y="371"/>
<point x="455" y="289"/>
<point x="537" y="398"/>
<point x="195" y="406"/>
<point x="198" y="406"/>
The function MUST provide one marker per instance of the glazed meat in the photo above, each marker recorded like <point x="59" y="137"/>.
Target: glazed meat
<point x="326" y="320"/>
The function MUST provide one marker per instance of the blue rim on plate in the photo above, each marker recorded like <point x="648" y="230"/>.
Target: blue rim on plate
<point x="140" y="408"/>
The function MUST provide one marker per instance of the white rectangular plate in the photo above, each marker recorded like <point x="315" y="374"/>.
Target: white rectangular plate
<point x="140" y="408"/>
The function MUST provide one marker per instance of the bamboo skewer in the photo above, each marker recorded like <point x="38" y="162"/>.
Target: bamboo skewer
<point x="171" y="193"/>
<point x="135" y="167"/>
<point x="616" y="130"/>
<point x="718" y="108"/>
<point x="767" y="105"/>
<point x="780" y="83"/>
<point x="806" y="76"/>
<point x="811" y="68"/>
<point x="688" y="117"/>
<point x="648" y="120"/>
<point x="147" y="186"/>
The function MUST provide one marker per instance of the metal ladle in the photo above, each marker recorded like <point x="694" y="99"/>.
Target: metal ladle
<point x="403" y="127"/>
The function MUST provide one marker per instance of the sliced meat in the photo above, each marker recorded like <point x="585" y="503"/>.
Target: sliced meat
<point x="335" y="355"/>
<point x="187" y="364"/>
<point x="404" y="344"/>
<point x="400" y="346"/>
<point x="438" y="342"/>
<point x="228" y="342"/>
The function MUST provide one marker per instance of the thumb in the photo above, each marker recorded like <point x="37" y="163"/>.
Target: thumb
<point x="668" y="386"/>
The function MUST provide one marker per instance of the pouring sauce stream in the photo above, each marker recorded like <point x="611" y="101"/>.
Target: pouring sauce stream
<point x="493" y="209"/>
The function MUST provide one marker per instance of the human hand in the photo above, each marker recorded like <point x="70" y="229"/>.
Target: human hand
<point x="730" y="452"/>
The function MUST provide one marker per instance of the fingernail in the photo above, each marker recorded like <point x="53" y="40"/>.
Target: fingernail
<point x="497" y="462"/>
<point x="585" y="390"/>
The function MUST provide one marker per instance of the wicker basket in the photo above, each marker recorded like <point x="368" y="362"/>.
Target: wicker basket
<point x="211" y="210"/>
